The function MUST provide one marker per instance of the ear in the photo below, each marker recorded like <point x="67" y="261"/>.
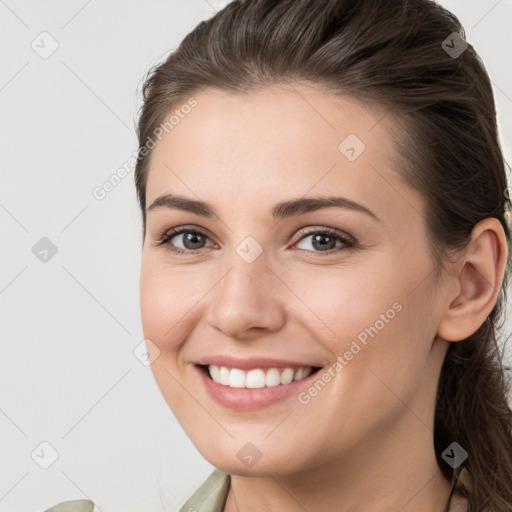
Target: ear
<point x="479" y="274"/>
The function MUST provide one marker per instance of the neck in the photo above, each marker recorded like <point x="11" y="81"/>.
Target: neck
<point x="396" y="476"/>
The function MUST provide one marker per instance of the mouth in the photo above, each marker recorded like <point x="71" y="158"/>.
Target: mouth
<point x="256" y="378"/>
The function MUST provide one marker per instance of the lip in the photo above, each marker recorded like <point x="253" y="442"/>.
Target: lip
<point x="253" y="362"/>
<point x="250" y="398"/>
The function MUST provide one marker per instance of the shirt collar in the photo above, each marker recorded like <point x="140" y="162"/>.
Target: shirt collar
<point x="211" y="495"/>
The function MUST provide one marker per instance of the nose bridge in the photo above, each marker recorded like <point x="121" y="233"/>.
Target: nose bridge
<point x="246" y="277"/>
<point x="242" y="298"/>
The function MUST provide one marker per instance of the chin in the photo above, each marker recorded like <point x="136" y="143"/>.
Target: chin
<point x="232" y="462"/>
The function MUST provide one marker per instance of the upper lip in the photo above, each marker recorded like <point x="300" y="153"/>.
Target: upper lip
<point x="252" y="362"/>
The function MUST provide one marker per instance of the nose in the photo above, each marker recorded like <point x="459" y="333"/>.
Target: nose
<point x="247" y="300"/>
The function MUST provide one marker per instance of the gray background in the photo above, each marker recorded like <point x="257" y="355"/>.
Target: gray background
<point x="70" y="324"/>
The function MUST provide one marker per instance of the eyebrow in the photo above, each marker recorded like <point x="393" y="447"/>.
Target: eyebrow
<point x="280" y="211"/>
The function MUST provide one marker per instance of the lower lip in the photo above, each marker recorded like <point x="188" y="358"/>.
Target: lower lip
<point x="251" y="398"/>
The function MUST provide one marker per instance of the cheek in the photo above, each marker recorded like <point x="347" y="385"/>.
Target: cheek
<point x="341" y="301"/>
<point x="165" y="306"/>
<point x="379" y="366"/>
<point x="160" y="303"/>
<point x="170" y="301"/>
<point x="370" y="318"/>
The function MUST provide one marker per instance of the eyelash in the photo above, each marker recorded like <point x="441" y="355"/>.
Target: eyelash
<point x="166" y="238"/>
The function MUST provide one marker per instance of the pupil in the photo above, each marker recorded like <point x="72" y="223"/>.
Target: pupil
<point x="190" y="238"/>
<point x="322" y="242"/>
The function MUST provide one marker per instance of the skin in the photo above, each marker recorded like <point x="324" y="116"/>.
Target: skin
<point x="365" y="442"/>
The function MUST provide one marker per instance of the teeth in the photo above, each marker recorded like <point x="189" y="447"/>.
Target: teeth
<point x="236" y="378"/>
<point x="254" y="379"/>
<point x="258" y="377"/>
<point x="287" y="375"/>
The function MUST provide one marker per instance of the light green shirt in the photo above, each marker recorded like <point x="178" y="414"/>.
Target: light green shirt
<point x="210" y="496"/>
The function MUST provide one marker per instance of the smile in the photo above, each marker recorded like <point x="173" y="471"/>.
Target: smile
<point x="257" y="377"/>
<point x="231" y="387"/>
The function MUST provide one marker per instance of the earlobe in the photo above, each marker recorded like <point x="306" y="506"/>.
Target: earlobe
<point x="480" y="274"/>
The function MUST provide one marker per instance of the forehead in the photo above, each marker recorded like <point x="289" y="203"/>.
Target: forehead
<point x="279" y="142"/>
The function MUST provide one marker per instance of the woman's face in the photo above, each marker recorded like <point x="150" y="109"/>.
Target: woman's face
<point x="260" y="281"/>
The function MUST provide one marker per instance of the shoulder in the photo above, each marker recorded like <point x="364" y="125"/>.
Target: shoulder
<point x="72" y="506"/>
<point x="209" y="497"/>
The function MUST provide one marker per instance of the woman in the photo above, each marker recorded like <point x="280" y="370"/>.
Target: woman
<point x="325" y="256"/>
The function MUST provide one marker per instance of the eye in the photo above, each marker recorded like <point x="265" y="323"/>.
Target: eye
<point x="192" y="239"/>
<point x="324" y="240"/>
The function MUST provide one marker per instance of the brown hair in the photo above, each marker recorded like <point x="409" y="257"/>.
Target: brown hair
<point x="394" y="54"/>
